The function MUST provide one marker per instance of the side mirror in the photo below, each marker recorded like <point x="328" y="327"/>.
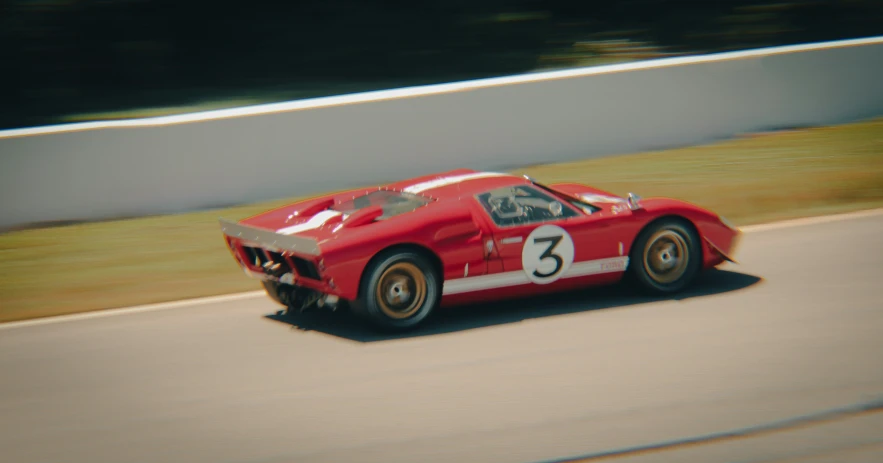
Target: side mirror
<point x="634" y="201"/>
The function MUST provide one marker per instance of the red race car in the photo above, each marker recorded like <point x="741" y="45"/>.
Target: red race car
<point x="396" y="253"/>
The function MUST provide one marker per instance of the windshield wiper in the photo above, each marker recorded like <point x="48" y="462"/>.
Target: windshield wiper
<point x="560" y="195"/>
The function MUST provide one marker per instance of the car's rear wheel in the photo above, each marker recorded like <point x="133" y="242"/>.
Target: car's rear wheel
<point x="272" y="289"/>
<point x="400" y="290"/>
<point x="666" y="257"/>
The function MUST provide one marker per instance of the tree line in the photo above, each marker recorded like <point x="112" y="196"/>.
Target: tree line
<point x="64" y="57"/>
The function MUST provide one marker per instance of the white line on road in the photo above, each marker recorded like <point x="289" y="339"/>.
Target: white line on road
<point x="131" y="310"/>
<point x="811" y="221"/>
<point x="255" y="294"/>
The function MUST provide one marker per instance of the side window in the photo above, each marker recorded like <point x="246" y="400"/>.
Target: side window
<point x="521" y="205"/>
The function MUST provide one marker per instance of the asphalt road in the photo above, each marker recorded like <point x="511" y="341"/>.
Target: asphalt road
<point x="793" y="333"/>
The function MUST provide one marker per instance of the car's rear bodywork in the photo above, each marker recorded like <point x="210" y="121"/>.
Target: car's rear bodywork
<point x="324" y="244"/>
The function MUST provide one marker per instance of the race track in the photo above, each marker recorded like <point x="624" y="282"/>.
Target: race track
<point x="793" y="333"/>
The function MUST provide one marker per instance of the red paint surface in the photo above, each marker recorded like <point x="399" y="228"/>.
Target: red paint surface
<point x="454" y="227"/>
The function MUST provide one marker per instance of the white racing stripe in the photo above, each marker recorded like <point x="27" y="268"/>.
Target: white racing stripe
<point x="518" y="277"/>
<point x="596" y="198"/>
<point x="315" y="221"/>
<point x="445" y="181"/>
<point x="261" y="294"/>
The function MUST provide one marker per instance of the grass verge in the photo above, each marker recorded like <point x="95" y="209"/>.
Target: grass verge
<point x="83" y="267"/>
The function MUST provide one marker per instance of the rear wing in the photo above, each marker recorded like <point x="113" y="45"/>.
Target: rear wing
<point x="269" y="239"/>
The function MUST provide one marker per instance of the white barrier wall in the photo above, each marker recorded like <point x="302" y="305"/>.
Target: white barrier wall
<point x="173" y="164"/>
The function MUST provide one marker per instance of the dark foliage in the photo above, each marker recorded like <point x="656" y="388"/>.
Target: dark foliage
<point x="68" y="56"/>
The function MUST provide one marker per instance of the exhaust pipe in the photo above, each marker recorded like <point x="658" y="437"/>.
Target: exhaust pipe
<point x="328" y="299"/>
<point x="298" y="298"/>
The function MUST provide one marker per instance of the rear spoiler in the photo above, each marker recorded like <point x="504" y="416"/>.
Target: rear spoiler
<point x="270" y="239"/>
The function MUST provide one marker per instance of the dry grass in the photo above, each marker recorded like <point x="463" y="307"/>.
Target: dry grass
<point x="754" y="179"/>
<point x="84" y="267"/>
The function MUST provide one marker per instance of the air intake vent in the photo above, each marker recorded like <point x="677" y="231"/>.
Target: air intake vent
<point x="305" y="268"/>
<point x="255" y="256"/>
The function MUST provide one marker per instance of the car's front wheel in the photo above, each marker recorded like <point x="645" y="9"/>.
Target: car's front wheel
<point x="400" y="290"/>
<point x="666" y="257"/>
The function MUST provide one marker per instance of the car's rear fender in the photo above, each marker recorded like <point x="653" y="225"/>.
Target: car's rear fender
<point x="417" y="248"/>
<point x="438" y="233"/>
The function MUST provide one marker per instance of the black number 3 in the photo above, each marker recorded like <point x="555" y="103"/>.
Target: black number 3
<point x="554" y="240"/>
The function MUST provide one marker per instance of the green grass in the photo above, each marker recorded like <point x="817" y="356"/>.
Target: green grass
<point x="83" y="267"/>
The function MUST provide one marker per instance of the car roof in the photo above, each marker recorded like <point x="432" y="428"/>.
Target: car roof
<point x="457" y="183"/>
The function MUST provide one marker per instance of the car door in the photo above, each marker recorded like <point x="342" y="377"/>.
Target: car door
<point x="540" y="240"/>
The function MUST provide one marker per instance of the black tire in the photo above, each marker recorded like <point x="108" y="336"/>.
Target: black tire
<point x="666" y="257"/>
<point x="400" y="289"/>
<point x="272" y="289"/>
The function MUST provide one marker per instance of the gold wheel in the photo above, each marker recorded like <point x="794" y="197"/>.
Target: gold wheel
<point x="666" y="256"/>
<point x="401" y="290"/>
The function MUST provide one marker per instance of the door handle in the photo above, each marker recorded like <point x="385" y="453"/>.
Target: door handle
<point x="512" y="239"/>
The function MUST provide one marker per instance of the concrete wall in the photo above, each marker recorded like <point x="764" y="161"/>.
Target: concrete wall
<point x="172" y="164"/>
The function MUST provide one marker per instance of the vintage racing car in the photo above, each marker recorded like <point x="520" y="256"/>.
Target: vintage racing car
<point x="394" y="254"/>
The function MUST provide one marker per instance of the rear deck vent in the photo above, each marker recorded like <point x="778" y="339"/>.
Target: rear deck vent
<point x="305" y="268"/>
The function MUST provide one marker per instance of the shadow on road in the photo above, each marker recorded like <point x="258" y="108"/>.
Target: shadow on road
<point x="344" y="325"/>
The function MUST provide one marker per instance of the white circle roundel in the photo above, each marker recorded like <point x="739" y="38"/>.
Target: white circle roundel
<point x="547" y="254"/>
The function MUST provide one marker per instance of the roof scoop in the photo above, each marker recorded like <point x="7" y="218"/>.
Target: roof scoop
<point x="363" y="216"/>
<point x="311" y="209"/>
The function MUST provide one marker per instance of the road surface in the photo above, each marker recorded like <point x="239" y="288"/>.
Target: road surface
<point x="792" y="333"/>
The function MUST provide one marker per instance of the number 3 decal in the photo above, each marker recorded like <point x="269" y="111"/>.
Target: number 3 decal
<point x="547" y="254"/>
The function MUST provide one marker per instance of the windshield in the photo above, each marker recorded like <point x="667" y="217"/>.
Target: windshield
<point x="392" y="202"/>
<point x="522" y="204"/>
